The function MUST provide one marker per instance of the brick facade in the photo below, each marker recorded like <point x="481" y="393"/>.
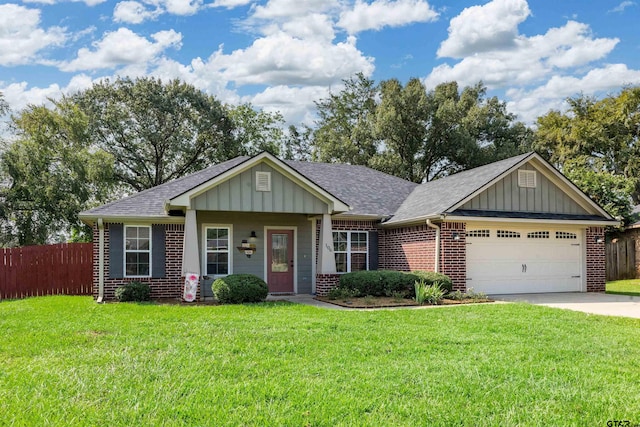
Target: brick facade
<point x="453" y="253"/>
<point x="169" y="286"/>
<point x="407" y="248"/>
<point x="326" y="282"/>
<point x="596" y="273"/>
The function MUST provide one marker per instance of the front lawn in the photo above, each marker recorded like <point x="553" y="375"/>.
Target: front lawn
<point x="69" y="361"/>
<point x="624" y="287"/>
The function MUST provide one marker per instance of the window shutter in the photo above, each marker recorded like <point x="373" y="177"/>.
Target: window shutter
<point x="157" y="251"/>
<point x="116" y="247"/>
<point x="373" y="250"/>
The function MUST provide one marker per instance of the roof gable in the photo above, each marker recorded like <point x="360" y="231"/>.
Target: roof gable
<point x="334" y="203"/>
<point x="446" y="195"/>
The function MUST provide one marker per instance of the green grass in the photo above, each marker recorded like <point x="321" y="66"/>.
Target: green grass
<point x="69" y="361"/>
<point x="624" y="287"/>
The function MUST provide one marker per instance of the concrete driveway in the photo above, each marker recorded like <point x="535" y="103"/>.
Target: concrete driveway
<point x="590" y="302"/>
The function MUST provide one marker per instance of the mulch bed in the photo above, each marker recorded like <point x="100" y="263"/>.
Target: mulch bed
<point x="384" y="302"/>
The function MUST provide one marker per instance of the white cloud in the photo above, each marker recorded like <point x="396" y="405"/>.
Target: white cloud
<point x="311" y="26"/>
<point x="50" y="2"/>
<point x="296" y="104"/>
<point x="529" y="104"/>
<point x="484" y="28"/>
<point x="133" y="12"/>
<point x="622" y="6"/>
<point x="21" y="37"/>
<point x="282" y="9"/>
<point x="281" y="59"/>
<point x="230" y="4"/>
<point x="501" y="57"/>
<point x="385" y="13"/>
<point x="123" y="47"/>
<point x="182" y="7"/>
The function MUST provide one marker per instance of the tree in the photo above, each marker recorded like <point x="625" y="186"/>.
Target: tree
<point x="345" y="129"/>
<point x="413" y="133"/>
<point x="255" y="131"/>
<point x="600" y="139"/>
<point x="156" y="132"/>
<point x="297" y="143"/>
<point x="53" y="173"/>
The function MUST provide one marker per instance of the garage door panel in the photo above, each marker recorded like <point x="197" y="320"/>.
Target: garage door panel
<point x="536" y="261"/>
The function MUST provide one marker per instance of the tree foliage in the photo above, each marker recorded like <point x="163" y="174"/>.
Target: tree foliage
<point x="599" y="139"/>
<point x="257" y="130"/>
<point x="53" y="173"/>
<point x="156" y="132"/>
<point x="413" y="133"/>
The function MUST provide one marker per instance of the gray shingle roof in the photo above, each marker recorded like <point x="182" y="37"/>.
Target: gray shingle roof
<point x="436" y="197"/>
<point x="151" y="202"/>
<point x="367" y="191"/>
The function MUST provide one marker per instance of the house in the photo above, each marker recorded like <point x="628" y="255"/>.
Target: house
<point x="623" y="249"/>
<point x="514" y="226"/>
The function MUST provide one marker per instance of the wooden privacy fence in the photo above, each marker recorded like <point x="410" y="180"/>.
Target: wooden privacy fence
<point x="621" y="260"/>
<point x="46" y="270"/>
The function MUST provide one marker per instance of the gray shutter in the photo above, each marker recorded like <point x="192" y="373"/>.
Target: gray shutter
<point x="158" y="251"/>
<point x="116" y="249"/>
<point x="373" y="250"/>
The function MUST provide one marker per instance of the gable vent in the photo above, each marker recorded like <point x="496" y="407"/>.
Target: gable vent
<point x="527" y="179"/>
<point x="263" y="181"/>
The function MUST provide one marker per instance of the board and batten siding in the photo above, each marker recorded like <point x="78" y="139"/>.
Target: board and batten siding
<point x="239" y="194"/>
<point x="506" y="195"/>
<point x="243" y="224"/>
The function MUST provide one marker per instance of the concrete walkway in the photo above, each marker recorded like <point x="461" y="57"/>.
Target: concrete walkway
<point x="589" y="302"/>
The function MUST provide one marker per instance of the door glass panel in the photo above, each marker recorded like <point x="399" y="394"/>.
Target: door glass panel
<point x="279" y="255"/>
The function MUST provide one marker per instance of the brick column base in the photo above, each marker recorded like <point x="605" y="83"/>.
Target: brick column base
<point x="326" y="282"/>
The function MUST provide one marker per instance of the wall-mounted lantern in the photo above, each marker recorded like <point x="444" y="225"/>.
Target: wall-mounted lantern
<point x="248" y="246"/>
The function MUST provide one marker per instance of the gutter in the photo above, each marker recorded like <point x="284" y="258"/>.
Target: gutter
<point x="437" y="260"/>
<point x="100" y="261"/>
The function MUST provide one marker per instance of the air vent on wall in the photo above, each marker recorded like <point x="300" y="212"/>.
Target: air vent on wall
<point x="527" y="179"/>
<point x="263" y="181"/>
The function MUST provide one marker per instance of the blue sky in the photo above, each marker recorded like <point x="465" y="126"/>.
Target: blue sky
<point x="281" y="55"/>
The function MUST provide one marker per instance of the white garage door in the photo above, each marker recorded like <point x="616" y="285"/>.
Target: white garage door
<point x="508" y="260"/>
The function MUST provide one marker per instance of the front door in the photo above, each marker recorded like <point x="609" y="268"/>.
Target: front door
<point x="280" y="260"/>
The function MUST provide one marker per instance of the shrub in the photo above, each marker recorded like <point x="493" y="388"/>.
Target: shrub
<point x="428" y="293"/>
<point x="133" y="291"/>
<point x="431" y="277"/>
<point x="239" y="288"/>
<point x="377" y="282"/>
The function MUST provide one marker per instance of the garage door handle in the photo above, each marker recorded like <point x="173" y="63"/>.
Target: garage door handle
<point x="524" y="268"/>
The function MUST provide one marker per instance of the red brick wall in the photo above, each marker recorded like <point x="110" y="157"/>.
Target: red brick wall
<point x="453" y="253"/>
<point x="326" y="282"/>
<point x="407" y="248"/>
<point x="168" y="287"/>
<point x="596" y="273"/>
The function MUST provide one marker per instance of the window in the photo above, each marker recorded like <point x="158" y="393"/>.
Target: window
<point x="527" y="179"/>
<point x="137" y="251"/>
<point x="478" y="233"/>
<point x="538" y="235"/>
<point x="351" y="250"/>
<point x="508" y="234"/>
<point x="263" y="181"/>
<point x="566" y="235"/>
<point x="217" y="250"/>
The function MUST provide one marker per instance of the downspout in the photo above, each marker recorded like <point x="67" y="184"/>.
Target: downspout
<point x="100" y="261"/>
<point x="437" y="228"/>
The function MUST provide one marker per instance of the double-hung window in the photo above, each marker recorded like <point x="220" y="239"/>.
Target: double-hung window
<point x="217" y="250"/>
<point x="137" y="250"/>
<point x="351" y="250"/>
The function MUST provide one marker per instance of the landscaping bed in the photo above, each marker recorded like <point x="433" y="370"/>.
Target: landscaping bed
<point x="386" y="302"/>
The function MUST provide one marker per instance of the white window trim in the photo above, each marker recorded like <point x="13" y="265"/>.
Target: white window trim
<point x="124" y="250"/>
<point x="204" y="249"/>
<point x="348" y="251"/>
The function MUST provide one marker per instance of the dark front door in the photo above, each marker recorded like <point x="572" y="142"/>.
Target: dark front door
<point x="280" y="260"/>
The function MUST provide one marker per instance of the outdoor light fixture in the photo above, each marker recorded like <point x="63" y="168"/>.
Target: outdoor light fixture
<point x="598" y="239"/>
<point x="248" y="247"/>
<point x="455" y="235"/>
